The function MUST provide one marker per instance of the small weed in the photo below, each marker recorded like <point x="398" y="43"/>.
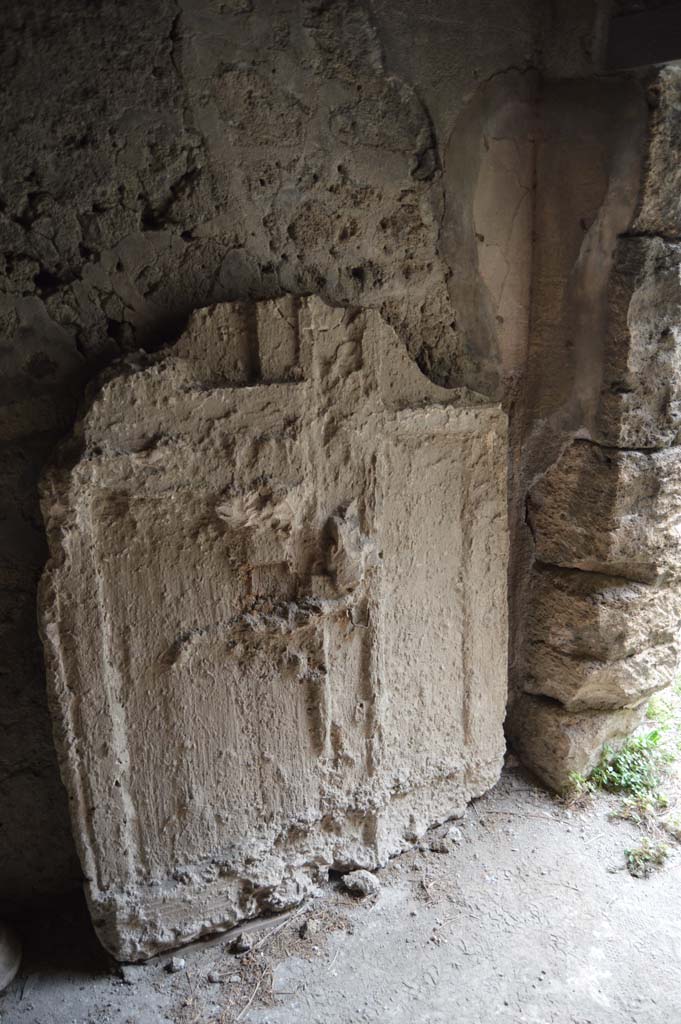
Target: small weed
<point x="644" y="810"/>
<point x="636" y="772"/>
<point x="642" y="860"/>
<point x="578" y="790"/>
<point x="635" y="768"/>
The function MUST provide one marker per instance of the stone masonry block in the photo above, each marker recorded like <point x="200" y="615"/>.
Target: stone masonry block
<point x="609" y="511"/>
<point x="553" y="742"/>
<point x="274" y="615"/>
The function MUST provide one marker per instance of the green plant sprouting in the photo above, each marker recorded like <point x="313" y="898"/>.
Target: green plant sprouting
<point x="647" y="857"/>
<point x="635" y="769"/>
<point x="636" y="772"/>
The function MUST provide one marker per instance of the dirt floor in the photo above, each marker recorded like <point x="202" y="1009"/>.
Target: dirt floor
<point x="530" y="916"/>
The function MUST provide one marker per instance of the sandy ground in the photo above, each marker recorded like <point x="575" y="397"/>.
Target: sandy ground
<point x="530" y="917"/>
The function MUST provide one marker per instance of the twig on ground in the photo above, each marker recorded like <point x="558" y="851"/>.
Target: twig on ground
<point x="524" y="814"/>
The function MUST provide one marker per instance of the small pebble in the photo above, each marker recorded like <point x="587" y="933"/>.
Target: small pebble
<point x="242" y="944"/>
<point x="235" y="979"/>
<point x="440" y="846"/>
<point x="130" y="973"/>
<point x="362" y="883"/>
<point x="214" y="978"/>
<point x="309" y="928"/>
<point x="176" y="964"/>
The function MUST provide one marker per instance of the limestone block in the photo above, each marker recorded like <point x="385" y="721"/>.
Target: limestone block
<point x="609" y="511"/>
<point x="603" y="618"/>
<point x="660" y="205"/>
<point x="553" y="742"/>
<point x="598" y="641"/>
<point x="580" y="683"/>
<point x="274" y="616"/>
<point x="640" y="402"/>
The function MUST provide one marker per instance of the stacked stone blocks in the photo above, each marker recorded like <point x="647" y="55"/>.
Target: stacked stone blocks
<point x="605" y="611"/>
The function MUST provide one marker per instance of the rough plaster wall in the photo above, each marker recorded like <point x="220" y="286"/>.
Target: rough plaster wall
<point x="380" y="154"/>
<point x="274" y="616"/>
<point x="167" y="156"/>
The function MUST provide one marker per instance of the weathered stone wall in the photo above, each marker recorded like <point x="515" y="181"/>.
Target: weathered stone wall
<point x="163" y="156"/>
<point x="388" y="156"/>
<point x="599" y="609"/>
